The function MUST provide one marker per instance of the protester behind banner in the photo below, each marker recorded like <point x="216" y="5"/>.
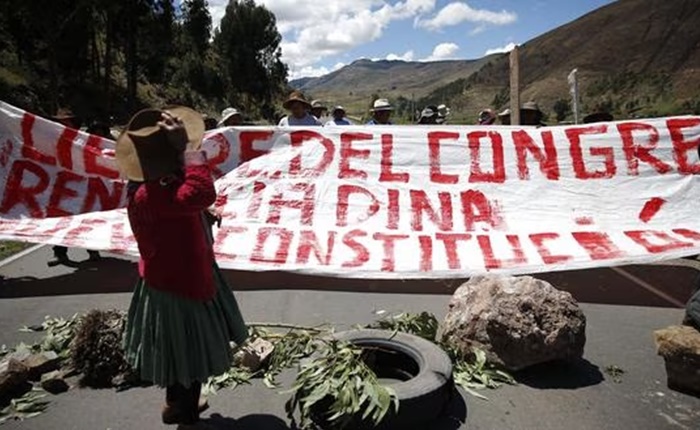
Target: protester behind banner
<point x="381" y="112"/>
<point x="299" y="115"/>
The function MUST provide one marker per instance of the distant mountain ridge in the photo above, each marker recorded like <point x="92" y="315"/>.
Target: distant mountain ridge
<point x="635" y="58"/>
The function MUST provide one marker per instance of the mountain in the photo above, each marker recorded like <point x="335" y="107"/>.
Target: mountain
<point x="635" y="58"/>
<point x="354" y="85"/>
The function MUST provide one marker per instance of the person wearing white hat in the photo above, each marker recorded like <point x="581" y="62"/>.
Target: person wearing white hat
<point x="381" y="112"/>
<point x="338" y="117"/>
<point x="230" y="117"/>
<point x="319" y="110"/>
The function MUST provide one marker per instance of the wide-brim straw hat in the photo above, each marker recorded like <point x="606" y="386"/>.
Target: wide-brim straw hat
<point x="143" y="151"/>
<point x="531" y="106"/>
<point x="382" y="105"/>
<point x="296" y="96"/>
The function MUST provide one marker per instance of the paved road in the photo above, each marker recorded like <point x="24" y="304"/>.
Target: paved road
<point x="579" y="397"/>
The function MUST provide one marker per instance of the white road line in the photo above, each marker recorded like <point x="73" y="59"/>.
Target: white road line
<point x="21" y="254"/>
<point x="647" y="286"/>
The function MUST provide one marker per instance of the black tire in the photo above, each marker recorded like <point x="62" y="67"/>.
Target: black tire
<point x="423" y="397"/>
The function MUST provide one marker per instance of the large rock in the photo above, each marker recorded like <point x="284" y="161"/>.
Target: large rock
<point x="41" y="363"/>
<point x="680" y="348"/>
<point x="54" y="382"/>
<point x="517" y="321"/>
<point x="13" y="375"/>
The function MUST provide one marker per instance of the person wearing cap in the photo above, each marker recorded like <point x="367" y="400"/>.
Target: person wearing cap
<point x="66" y="118"/>
<point x="338" y="117"/>
<point x="299" y="115"/>
<point x="428" y="116"/>
<point x="182" y="316"/>
<point x="486" y="117"/>
<point x="231" y="117"/>
<point x="318" y="109"/>
<point x="381" y="112"/>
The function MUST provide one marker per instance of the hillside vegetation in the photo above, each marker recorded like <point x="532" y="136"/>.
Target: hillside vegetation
<point x="635" y="58"/>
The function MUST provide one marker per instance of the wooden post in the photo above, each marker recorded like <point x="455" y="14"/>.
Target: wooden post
<point x="514" y="87"/>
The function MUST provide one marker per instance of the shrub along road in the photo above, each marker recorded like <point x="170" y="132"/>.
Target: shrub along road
<point x="551" y="397"/>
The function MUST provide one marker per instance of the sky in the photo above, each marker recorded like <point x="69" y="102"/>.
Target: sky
<point x="320" y="36"/>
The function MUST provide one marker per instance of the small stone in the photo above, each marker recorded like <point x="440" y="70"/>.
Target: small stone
<point x="680" y="348"/>
<point x="41" y="363"/>
<point x="253" y="355"/>
<point x="517" y="321"/>
<point x="13" y="375"/>
<point x="54" y="383"/>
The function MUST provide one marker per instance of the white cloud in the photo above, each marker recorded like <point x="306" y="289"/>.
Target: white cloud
<point x="443" y="51"/>
<point x="500" y="50"/>
<point x="314" y="30"/>
<point x="407" y="56"/>
<point x="313" y="72"/>
<point x="458" y="12"/>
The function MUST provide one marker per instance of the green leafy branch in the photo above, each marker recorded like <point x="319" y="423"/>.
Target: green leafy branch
<point x="336" y="386"/>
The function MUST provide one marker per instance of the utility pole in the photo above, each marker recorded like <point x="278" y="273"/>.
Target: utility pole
<point x="515" y="86"/>
<point x="573" y="89"/>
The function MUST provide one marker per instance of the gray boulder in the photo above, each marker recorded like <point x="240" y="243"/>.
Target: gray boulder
<point x="517" y="321"/>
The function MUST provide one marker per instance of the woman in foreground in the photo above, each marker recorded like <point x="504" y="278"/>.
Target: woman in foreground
<point x="182" y="316"/>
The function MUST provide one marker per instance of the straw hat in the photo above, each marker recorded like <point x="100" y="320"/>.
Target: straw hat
<point x="143" y="151"/>
<point x="381" y="105"/>
<point x="228" y="113"/>
<point x="338" y="108"/>
<point x="296" y="96"/>
<point x="318" y="104"/>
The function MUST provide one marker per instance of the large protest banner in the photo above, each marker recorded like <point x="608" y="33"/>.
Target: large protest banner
<point x="387" y="202"/>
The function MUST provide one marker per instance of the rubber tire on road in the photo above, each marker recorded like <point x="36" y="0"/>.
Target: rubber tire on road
<point x="423" y="398"/>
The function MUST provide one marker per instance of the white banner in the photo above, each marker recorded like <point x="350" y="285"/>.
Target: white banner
<point x="387" y="202"/>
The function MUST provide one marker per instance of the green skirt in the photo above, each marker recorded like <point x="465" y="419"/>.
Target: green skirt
<point x="174" y="340"/>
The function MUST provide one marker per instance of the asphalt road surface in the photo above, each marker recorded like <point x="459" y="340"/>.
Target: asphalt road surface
<point x="623" y="307"/>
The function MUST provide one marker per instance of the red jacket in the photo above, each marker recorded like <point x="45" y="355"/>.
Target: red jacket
<point x="176" y="255"/>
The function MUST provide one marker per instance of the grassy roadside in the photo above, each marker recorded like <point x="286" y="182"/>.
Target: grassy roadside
<point x="8" y="248"/>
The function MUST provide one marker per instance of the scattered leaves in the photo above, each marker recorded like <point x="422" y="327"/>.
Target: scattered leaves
<point x="29" y="405"/>
<point x="423" y="324"/>
<point x="478" y="374"/>
<point x="615" y="373"/>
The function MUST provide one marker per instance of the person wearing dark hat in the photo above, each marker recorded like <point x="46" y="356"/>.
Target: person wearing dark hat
<point x="428" y="116"/>
<point x="338" y="117"/>
<point x="182" y="316"/>
<point x="66" y="118"/>
<point x="381" y="112"/>
<point x="299" y="115"/>
<point x="319" y="110"/>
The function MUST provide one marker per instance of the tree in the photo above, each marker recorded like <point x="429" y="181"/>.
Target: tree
<point x="197" y="24"/>
<point x="248" y="45"/>
<point x="562" y="108"/>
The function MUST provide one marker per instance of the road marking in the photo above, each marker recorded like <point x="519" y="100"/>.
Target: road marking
<point x="647" y="286"/>
<point x="21" y="254"/>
